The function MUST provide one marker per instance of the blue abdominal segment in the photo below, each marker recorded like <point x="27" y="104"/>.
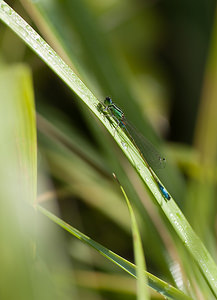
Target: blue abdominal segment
<point x="163" y="191"/>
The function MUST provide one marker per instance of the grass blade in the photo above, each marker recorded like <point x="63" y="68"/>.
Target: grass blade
<point x="17" y="182"/>
<point x="155" y="283"/>
<point x="142" y="291"/>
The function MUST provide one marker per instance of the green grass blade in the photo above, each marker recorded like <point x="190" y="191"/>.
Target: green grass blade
<point x="17" y="182"/>
<point x="173" y="213"/>
<point x="155" y="283"/>
<point x="142" y="291"/>
<point x="18" y="126"/>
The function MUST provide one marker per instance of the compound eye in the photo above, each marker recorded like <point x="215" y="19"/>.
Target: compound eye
<point x="108" y="100"/>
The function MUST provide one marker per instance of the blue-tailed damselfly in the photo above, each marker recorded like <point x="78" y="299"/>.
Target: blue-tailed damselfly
<point x="149" y="154"/>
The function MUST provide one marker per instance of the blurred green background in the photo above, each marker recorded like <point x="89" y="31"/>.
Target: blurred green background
<point x="158" y="62"/>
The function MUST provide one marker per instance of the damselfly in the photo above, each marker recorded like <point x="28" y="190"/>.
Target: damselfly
<point x="148" y="152"/>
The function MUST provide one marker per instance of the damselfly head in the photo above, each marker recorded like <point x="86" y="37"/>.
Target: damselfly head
<point x="108" y="101"/>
